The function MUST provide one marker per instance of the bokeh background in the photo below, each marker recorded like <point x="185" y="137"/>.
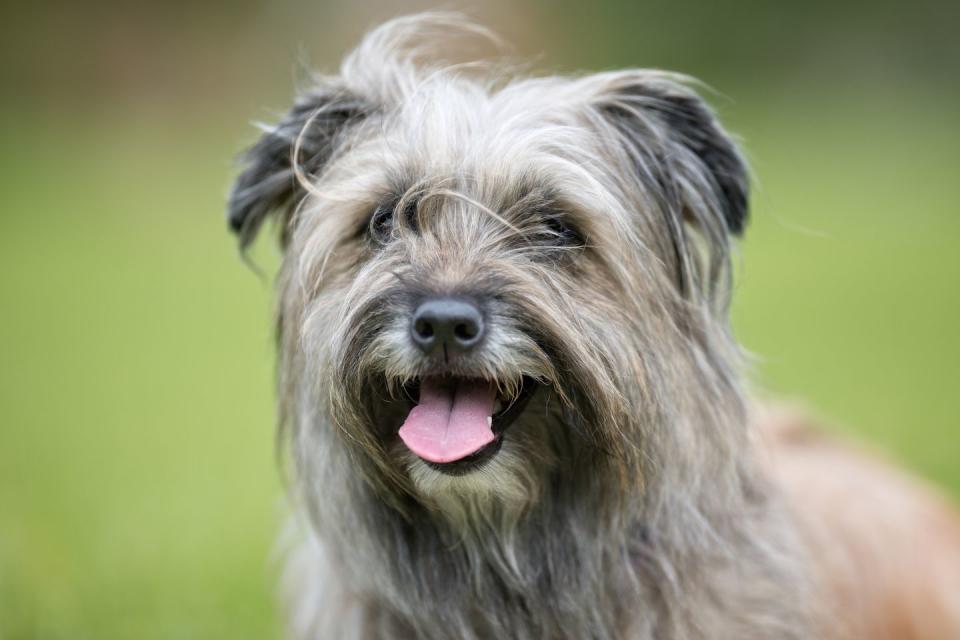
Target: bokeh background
<point x="139" y="490"/>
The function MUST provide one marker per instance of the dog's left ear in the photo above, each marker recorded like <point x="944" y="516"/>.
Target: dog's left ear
<point x="675" y="139"/>
<point x="271" y="179"/>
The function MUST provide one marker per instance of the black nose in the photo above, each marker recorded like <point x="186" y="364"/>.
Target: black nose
<point x="452" y="324"/>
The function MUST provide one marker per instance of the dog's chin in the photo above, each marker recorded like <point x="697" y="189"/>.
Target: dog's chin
<point x="506" y="482"/>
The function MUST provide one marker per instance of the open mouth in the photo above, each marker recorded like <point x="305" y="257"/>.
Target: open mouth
<point x="457" y="424"/>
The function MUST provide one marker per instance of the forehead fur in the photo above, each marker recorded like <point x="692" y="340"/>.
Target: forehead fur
<point x="481" y="125"/>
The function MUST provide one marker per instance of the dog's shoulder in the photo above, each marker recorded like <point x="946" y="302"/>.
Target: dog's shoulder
<point x="886" y="545"/>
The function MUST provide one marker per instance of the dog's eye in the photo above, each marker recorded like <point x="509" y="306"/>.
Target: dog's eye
<point x="558" y="232"/>
<point x="381" y="222"/>
<point x="384" y="220"/>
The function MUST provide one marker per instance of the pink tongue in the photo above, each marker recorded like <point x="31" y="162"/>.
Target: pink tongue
<point x="452" y="420"/>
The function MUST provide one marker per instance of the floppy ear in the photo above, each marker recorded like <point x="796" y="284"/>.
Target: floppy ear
<point x="675" y="138"/>
<point x="313" y="128"/>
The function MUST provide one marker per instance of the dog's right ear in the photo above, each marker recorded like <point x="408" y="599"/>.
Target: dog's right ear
<point x="272" y="176"/>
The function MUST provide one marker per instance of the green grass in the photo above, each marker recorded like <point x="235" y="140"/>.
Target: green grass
<point x="137" y="477"/>
<point x="139" y="495"/>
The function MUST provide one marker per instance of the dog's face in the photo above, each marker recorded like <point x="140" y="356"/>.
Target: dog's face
<point x="487" y="286"/>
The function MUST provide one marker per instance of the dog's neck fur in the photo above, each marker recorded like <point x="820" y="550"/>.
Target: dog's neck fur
<point x="678" y="562"/>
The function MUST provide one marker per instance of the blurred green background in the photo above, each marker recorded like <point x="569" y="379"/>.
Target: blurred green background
<point x="139" y="492"/>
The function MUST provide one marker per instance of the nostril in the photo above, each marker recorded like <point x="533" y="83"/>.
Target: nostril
<point x="423" y="328"/>
<point x="465" y="331"/>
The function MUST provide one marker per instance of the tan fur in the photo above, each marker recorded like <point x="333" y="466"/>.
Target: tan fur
<point x="886" y="548"/>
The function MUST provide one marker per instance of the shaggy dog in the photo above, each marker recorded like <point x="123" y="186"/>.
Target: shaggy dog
<point x="508" y="388"/>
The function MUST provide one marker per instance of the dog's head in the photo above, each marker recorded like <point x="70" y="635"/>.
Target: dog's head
<point x="493" y="283"/>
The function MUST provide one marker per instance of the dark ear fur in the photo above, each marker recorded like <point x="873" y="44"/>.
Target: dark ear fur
<point x="691" y="124"/>
<point x="269" y="181"/>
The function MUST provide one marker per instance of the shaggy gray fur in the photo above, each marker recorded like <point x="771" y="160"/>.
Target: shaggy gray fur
<point x="593" y="215"/>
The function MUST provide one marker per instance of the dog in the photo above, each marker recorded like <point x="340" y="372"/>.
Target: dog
<point x="510" y="399"/>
